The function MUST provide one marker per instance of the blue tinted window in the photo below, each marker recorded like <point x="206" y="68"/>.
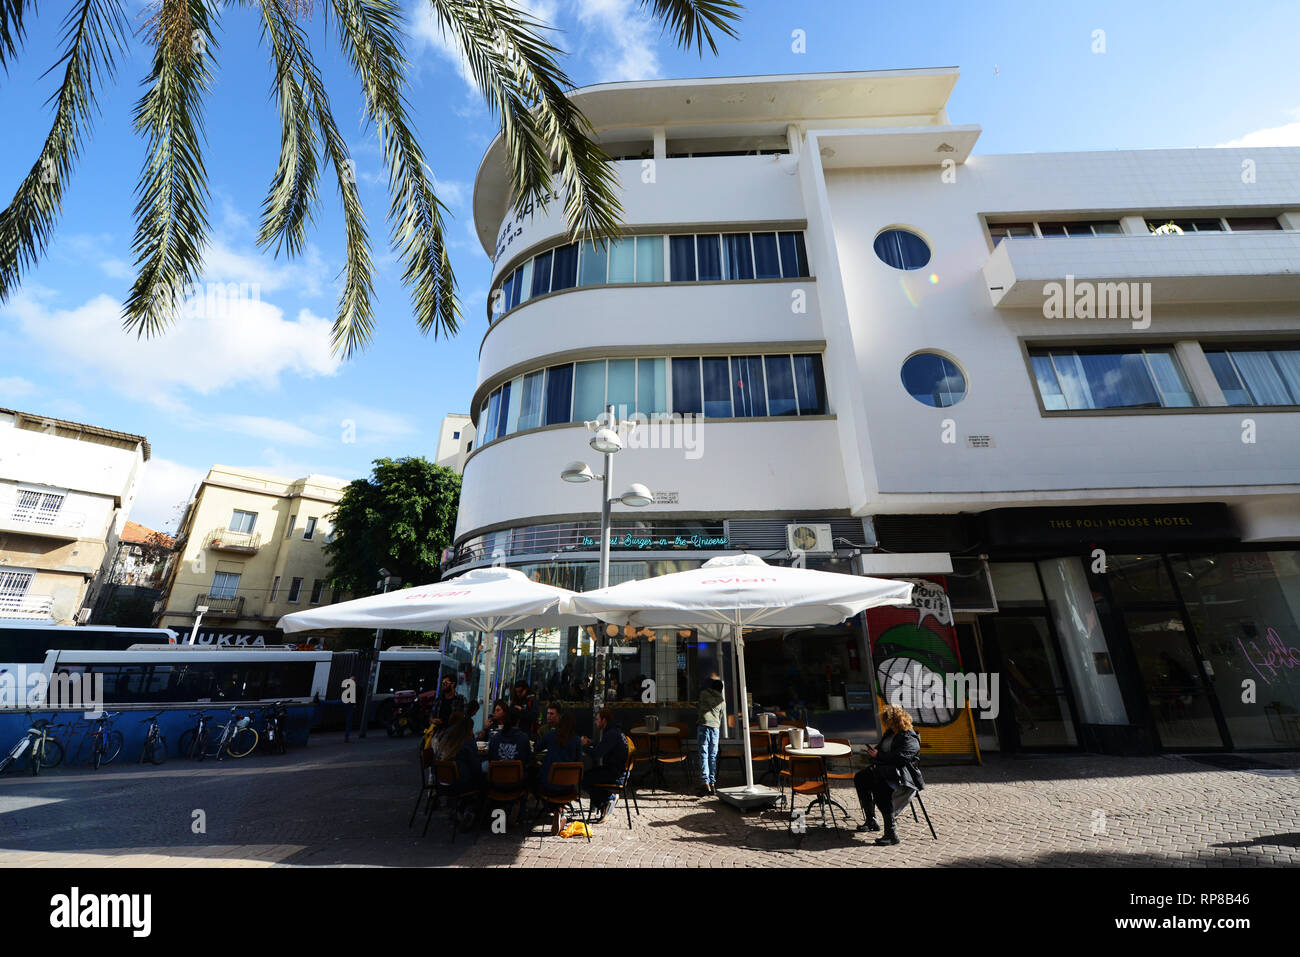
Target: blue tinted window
<point x="780" y="386"/>
<point x="933" y="380"/>
<point x="717" y="387"/>
<point x="794" y="257"/>
<point x="541" y="274"/>
<point x="767" y="262"/>
<point x="564" y="274"/>
<point x="681" y="252"/>
<point x="686" y="386"/>
<point x="559" y="394"/>
<point x="740" y="259"/>
<point x="810" y="384"/>
<point x="748" y="391"/>
<point x="708" y="252"/>
<point x="901" y="249"/>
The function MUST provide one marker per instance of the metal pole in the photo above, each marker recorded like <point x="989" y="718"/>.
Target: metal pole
<point x="739" y="641"/>
<point x="598" y="701"/>
<point x="373" y="683"/>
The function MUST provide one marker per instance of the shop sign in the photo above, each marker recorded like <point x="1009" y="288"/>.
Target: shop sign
<point x="1065" y="525"/>
<point x="641" y="542"/>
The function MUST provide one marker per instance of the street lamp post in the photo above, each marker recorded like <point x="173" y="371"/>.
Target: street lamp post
<point x="388" y="581"/>
<point x="200" y="611"/>
<point x="606" y="441"/>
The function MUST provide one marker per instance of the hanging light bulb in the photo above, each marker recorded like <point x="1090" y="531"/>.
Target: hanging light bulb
<point x="611" y="630"/>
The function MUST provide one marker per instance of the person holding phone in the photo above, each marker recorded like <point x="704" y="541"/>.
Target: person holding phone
<point x="894" y="774"/>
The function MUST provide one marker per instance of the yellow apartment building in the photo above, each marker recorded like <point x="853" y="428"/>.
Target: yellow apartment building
<point x="250" y="551"/>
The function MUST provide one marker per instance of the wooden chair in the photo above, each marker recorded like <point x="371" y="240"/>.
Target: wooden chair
<point x="671" y="751"/>
<point x="564" y="787"/>
<point x="808" y="778"/>
<point x="845" y="775"/>
<point x="760" y="752"/>
<point x="505" y="785"/>
<point x="643" y="753"/>
<point x="447" y="782"/>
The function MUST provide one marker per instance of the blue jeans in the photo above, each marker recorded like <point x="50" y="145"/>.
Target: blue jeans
<point x="708" y="738"/>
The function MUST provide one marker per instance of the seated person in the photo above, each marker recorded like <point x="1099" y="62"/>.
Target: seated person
<point x="894" y="775"/>
<point x="610" y="757"/>
<point x="524" y="703"/>
<point x="560" y="743"/>
<point x="510" y="743"/>
<point x="497" y="721"/>
<point x="457" y="744"/>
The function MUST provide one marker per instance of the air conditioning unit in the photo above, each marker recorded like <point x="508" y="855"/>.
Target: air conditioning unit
<point x="809" y="539"/>
<point x="83" y="616"/>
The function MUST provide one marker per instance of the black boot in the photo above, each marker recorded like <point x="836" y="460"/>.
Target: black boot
<point x="869" y="824"/>
<point x="890" y="836"/>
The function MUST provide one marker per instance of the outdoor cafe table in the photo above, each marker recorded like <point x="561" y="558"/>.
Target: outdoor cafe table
<point x="828" y="750"/>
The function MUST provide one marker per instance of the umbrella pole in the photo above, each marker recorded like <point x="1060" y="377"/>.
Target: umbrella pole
<point x="738" y="640"/>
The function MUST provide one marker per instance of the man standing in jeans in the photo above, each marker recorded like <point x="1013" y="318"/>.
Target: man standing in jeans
<point x="709" y="726"/>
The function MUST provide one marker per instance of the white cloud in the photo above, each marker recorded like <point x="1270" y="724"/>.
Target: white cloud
<point x="12" y="387"/>
<point x="429" y="35"/>
<point x="624" y="48"/>
<point x="352" y="423"/>
<point x="228" y="343"/>
<point x="164" y="486"/>
<point x="263" y="427"/>
<point x="1288" y="134"/>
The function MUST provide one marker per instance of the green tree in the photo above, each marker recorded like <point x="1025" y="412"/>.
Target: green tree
<point x="401" y="518"/>
<point x="511" y="60"/>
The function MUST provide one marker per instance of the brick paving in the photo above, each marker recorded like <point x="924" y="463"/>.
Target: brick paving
<point x="348" y="804"/>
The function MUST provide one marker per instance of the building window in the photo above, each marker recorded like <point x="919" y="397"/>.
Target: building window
<point x="933" y="380"/>
<point x="1252" y="224"/>
<point x="275" y="587"/>
<point x="310" y="530"/>
<point x="1254" y="376"/>
<point x="295" y="588"/>
<point x="41" y="508"/>
<point x="455" y="435"/>
<point x="329" y="534"/>
<point x="293" y="520"/>
<point x="317" y="588"/>
<point x="241" y="521"/>
<point x="224" y="584"/>
<point x="1001" y="231"/>
<point x="1103" y="227"/>
<point x="902" y="249"/>
<point x="1185" y="225"/>
<point x="1110" y="379"/>
<point x="13" y="588"/>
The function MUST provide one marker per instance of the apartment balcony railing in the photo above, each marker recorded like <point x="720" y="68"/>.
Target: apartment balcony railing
<point x="246" y="543"/>
<point x="221" y="606"/>
<point x="27" y="608"/>
<point x="41" y="522"/>
<point x="1194" y="267"/>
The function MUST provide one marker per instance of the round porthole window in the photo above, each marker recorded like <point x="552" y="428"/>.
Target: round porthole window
<point x="902" y="249"/>
<point x="932" y="380"/>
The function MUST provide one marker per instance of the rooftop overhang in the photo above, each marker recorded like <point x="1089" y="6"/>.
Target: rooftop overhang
<point x="1202" y="267"/>
<point x="739" y="106"/>
<point x="903" y="146"/>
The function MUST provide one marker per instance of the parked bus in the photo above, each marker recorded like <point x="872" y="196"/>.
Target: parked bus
<point x="404" y="668"/>
<point x="24" y="643"/>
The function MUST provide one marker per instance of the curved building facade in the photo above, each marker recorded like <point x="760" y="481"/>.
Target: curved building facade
<point x="1063" y="387"/>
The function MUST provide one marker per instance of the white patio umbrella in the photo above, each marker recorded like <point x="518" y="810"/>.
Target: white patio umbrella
<point x="483" y="599"/>
<point x="741" y="592"/>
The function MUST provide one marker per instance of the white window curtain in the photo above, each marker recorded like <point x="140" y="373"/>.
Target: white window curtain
<point x="1262" y="378"/>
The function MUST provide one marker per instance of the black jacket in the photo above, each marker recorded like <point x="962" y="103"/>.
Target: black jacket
<point x="898" y="760"/>
<point x="611" y="753"/>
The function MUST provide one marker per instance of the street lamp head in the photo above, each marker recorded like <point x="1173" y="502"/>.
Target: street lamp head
<point x="637" y="495"/>
<point x="201" y="609"/>
<point x="577" y="472"/>
<point x="384" y="573"/>
<point x="606" y="441"/>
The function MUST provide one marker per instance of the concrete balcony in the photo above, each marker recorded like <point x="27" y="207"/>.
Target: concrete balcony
<point x="223" y="539"/>
<point x="62" y="525"/>
<point x="1197" y="267"/>
<point x="221" y="606"/>
<point x="28" y="608"/>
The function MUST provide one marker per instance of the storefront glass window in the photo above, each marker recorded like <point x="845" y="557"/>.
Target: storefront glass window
<point x="1245" y="607"/>
<point x="1087" y="658"/>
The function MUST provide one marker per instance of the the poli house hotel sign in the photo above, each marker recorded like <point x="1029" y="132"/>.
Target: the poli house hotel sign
<point x="1145" y="524"/>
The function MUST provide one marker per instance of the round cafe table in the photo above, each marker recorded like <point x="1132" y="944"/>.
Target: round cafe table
<point x="772" y="733"/>
<point x="829" y="750"/>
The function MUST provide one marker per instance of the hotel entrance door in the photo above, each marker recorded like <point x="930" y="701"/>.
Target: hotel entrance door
<point x="1034" y="707"/>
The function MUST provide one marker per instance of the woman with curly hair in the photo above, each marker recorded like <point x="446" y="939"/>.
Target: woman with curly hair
<point x="894" y="774"/>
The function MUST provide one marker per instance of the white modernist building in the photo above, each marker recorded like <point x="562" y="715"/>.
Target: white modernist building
<point x="1069" y="384"/>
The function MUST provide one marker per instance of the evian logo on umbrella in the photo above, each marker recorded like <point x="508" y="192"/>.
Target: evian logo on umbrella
<point x="437" y="594"/>
<point x="735" y="581"/>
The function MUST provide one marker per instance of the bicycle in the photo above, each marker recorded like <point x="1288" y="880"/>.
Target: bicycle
<point x="194" y="742"/>
<point x="155" y="745"/>
<point x="106" y="743"/>
<point x="45" y="751"/>
<point x="273" y="728"/>
<point x="238" y="736"/>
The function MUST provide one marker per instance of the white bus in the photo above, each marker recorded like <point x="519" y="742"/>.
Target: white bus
<point x="404" y="668"/>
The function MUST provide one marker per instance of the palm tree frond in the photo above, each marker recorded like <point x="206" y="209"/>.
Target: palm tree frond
<point x="171" y="207"/>
<point x="292" y="197"/>
<point x="693" y="21"/>
<point x="12" y="31"/>
<point x="370" y="33"/>
<point x="354" y="322"/>
<point x="517" y="70"/>
<point x="94" y="31"/>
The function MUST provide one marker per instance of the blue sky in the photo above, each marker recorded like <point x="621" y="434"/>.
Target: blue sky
<point x="260" y="388"/>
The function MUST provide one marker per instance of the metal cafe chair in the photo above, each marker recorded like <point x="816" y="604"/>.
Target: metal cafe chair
<point x="671" y="751"/>
<point x="808" y="779"/>
<point x="505" y="785"/>
<point x="627" y="790"/>
<point x="643" y="753"/>
<point x="760" y="752"/>
<point x="428" y="783"/>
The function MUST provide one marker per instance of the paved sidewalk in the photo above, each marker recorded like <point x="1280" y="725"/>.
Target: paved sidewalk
<point x="348" y="804"/>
